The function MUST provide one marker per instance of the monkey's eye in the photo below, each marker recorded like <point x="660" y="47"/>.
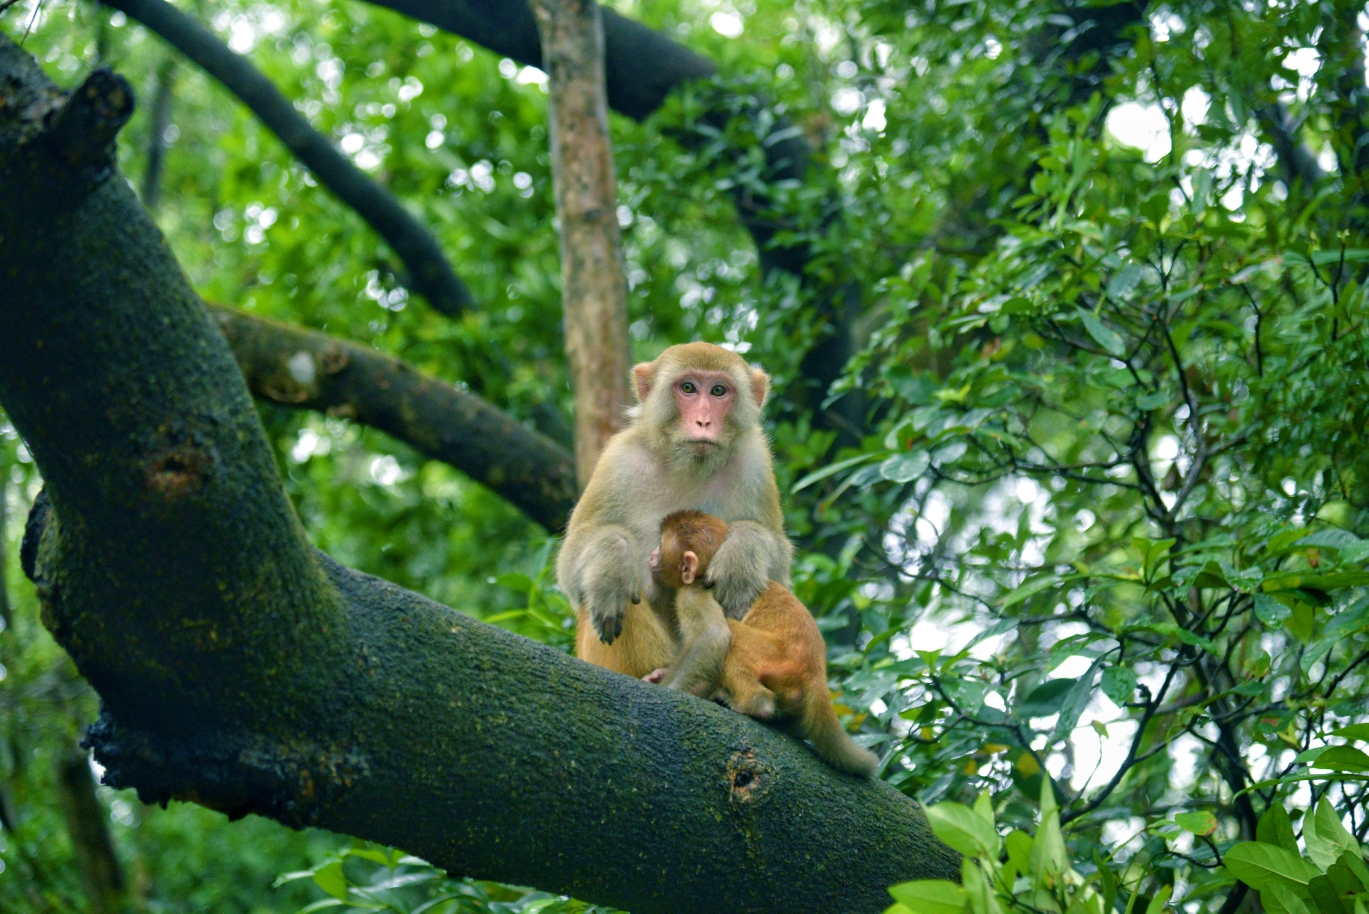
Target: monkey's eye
<point x="689" y="387"/>
<point x="719" y="390"/>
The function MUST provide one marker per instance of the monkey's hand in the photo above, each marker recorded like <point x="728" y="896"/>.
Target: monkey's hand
<point x="741" y="568"/>
<point x="657" y="675"/>
<point x="611" y="579"/>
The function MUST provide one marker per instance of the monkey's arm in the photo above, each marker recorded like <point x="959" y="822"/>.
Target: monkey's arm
<point x="599" y="569"/>
<point x="706" y="637"/>
<point x="748" y="559"/>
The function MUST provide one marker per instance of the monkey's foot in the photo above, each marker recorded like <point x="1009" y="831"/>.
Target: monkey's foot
<point x="655" y="676"/>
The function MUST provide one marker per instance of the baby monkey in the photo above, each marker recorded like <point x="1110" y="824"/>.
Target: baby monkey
<point x="771" y="665"/>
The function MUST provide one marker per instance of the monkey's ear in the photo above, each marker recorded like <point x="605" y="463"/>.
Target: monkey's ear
<point x="641" y="379"/>
<point x="689" y="566"/>
<point x="760" y="385"/>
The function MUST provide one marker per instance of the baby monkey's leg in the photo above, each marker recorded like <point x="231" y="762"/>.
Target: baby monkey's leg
<point x="705" y="638"/>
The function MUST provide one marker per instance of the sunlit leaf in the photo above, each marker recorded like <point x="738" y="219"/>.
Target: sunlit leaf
<point x="930" y="896"/>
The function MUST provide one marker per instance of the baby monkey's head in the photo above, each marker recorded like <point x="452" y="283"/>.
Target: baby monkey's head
<point x="689" y="539"/>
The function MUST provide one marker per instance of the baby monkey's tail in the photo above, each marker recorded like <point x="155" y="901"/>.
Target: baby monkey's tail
<point x="830" y="738"/>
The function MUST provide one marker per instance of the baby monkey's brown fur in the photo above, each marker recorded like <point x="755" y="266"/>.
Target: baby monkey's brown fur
<point x="771" y="665"/>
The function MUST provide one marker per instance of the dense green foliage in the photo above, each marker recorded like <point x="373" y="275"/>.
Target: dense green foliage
<point x="1108" y="519"/>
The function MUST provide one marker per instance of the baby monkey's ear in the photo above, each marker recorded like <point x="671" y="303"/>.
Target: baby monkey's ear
<point x="689" y="566"/>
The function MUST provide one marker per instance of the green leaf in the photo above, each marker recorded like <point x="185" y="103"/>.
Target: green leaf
<point x="1350" y="255"/>
<point x="1153" y="401"/>
<point x="330" y="878"/>
<point x="1157" y="904"/>
<point x="321" y="905"/>
<point x="1326" y="837"/>
<point x="1045" y="699"/>
<point x="961" y="828"/>
<point x="1200" y="823"/>
<point x="1355" y="864"/>
<point x="1124" y="281"/>
<point x="1119" y="684"/>
<point x="1331" y="538"/>
<point x="1324" y="894"/>
<point x="905" y="467"/>
<point x="983" y="807"/>
<point x="1028" y="588"/>
<point x="519" y="583"/>
<point x="832" y="469"/>
<point x="1261" y="866"/>
<point x="1277" y="829"/>
<point x="930" y="896"/>
<point x="1359" y="732"/>
<point x="1075" y="701"/>
<point x="1343" y="878"/>
<point x="1342" y="758"/>
<point x="1280" y="898"/>
<point x="1270" y="611"/>
<point x="1102" y="334"/>
<point x="1019" y="846"/>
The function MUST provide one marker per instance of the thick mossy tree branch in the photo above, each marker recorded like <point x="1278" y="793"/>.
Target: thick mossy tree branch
<point x="429" y="272"/>
<point x="309" y="370"/>
<point x="242" y="669"/>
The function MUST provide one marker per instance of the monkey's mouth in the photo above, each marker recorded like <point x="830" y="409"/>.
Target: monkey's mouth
<point x="701" y="442"/>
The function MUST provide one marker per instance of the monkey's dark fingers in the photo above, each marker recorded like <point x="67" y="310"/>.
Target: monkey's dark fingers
<point x="608" y="626"/>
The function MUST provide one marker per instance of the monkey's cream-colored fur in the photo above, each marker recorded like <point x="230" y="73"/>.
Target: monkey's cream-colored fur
<point x="651" y="469"/>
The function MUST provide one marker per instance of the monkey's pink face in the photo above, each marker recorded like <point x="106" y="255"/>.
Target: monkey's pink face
<point x="704" y="398"/>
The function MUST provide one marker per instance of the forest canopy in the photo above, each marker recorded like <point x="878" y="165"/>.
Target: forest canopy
<point x="1063" y="306"/>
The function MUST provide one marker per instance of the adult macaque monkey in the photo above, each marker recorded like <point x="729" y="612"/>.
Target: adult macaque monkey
<point x="694" y="442"/>
<point x="771" y="665"/>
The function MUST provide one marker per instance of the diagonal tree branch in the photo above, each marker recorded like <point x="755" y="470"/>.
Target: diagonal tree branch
<point x="241" y="669"/>
<point x="641" y="66"/>
<point x="429" y="272"/>
<point x="308" y="370"/>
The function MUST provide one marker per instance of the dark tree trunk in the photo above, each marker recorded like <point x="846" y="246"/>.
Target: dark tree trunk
<point x="101" y="875"/>
<point x="242" y="669"/>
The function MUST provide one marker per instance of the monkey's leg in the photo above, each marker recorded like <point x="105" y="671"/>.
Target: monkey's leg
<point x="745" y="693"/>
<point x="706" y="638"/>
<point x="643" y="646"/>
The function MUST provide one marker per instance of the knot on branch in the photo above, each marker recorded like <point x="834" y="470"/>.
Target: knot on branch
<point x="231" y="773"/>
<point x="41" y="523"/>
<point x="750" y="777"/>
<point x="180" y="470"/>
<point x="81" y="132"/>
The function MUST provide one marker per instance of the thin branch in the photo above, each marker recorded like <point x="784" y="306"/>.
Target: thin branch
<point x="429" y="272"/>
<point x="150" y="188"/>
<point x="1127" y="763"/>
<point x="308" y="370"/>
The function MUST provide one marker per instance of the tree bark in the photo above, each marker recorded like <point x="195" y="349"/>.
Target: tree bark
<point x="308" y="370"/>
<point x="6" y="614"/>
<point x="430" y="274"/>
<point x="593" y="285"/>
<point x="101" y="875"/>
<point x="242" y="669"/>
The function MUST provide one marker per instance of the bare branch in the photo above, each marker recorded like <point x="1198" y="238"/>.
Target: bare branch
<point x="308" y="370"/>
<point x="593" y="285"/>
